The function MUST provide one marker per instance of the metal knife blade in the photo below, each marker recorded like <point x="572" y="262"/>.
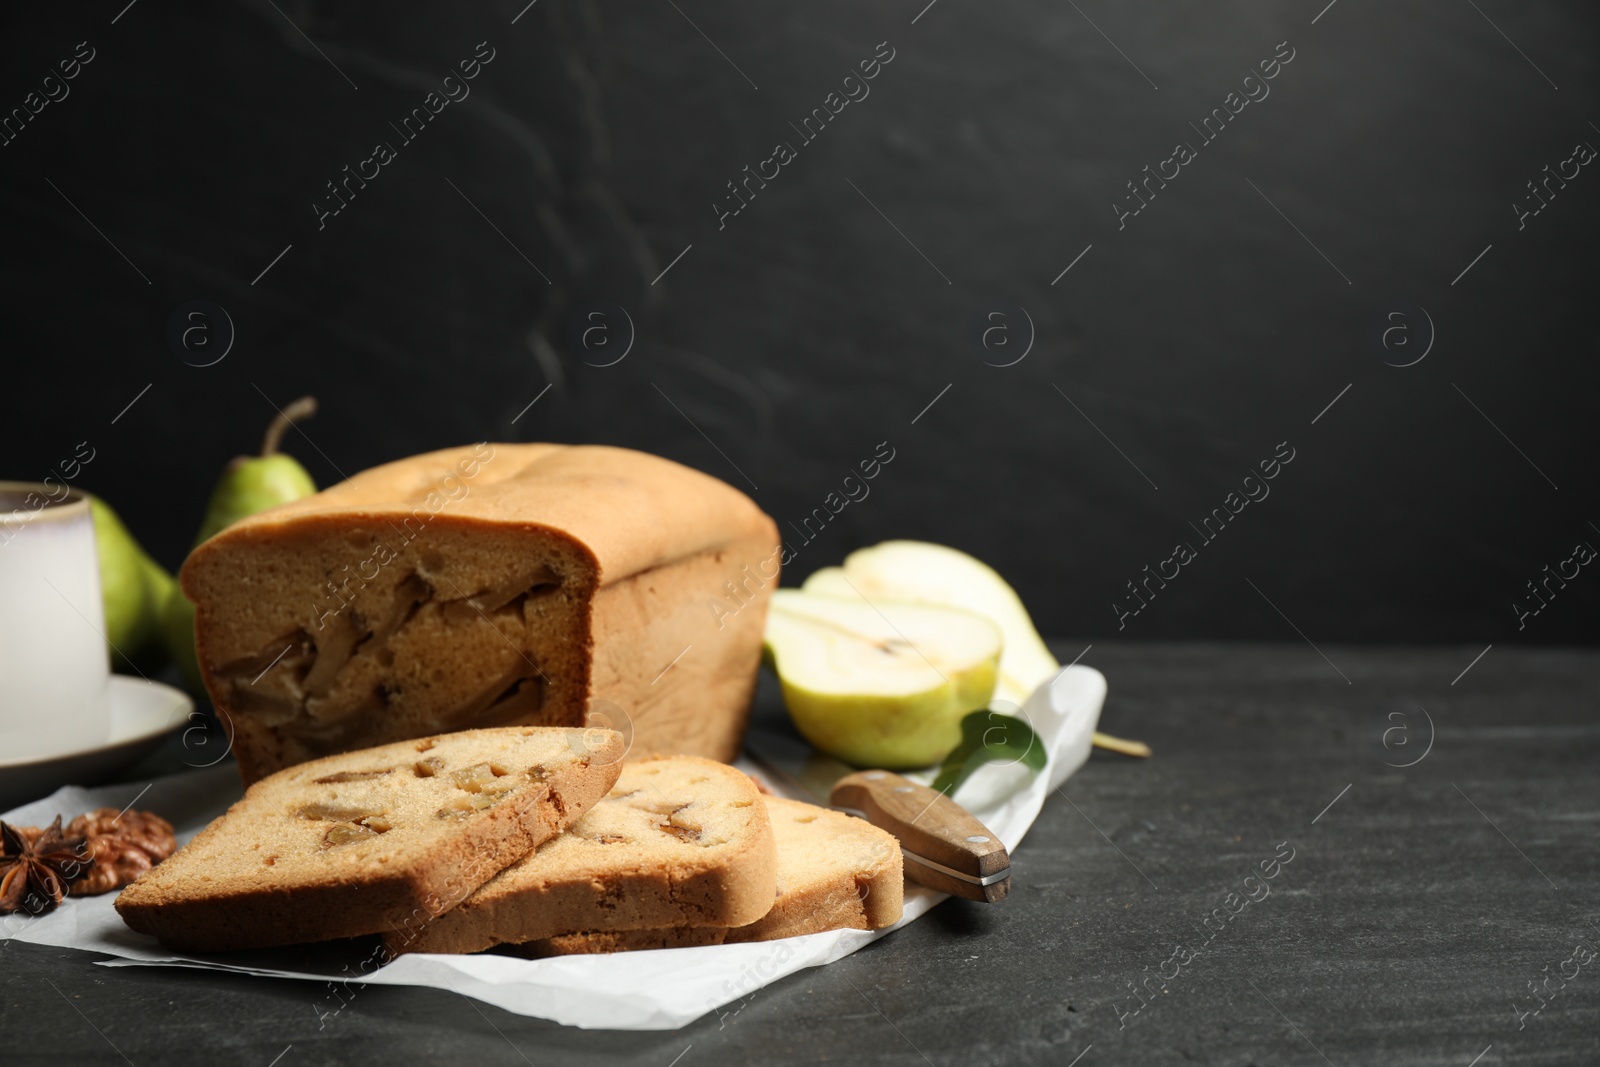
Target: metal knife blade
<point x="945" y="847"/>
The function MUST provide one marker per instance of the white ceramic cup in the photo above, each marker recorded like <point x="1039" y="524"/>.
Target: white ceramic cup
<point x="55" y="674"/>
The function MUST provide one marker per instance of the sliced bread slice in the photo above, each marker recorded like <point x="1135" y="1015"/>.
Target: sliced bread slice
<point x="377" y="840"/>
<point x="834" y="872"/>
<point x="680" y="842"/>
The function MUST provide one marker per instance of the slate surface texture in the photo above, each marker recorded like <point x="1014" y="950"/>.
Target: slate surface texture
<point x="1419" y="904"/>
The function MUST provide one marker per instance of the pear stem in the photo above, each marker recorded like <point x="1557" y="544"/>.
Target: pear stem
<point x="298" y="411"/>
<point x="1117" y="744"/>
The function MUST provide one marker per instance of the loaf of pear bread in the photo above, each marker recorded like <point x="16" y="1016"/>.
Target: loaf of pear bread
<point x="377" y="840"/>
<point x="488" y="585"/>
<point x="834" y="872"/>
<point x="678" y="842"/>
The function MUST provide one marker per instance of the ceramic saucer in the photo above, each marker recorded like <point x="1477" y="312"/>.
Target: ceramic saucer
<point x="142" y="713"/>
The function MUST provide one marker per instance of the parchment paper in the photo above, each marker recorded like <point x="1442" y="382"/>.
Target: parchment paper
<point x="655" y="990"/>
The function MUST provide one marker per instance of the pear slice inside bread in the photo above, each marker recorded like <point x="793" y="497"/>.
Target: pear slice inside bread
<point x="679" y="842"/>
<point x="370" y="841"/>
<point x="834" y="872"/>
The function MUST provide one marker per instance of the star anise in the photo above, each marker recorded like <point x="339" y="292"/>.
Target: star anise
<point x="35" y="871"/>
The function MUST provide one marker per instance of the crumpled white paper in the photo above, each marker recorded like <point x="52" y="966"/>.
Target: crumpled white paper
<point x="654" y="990"/>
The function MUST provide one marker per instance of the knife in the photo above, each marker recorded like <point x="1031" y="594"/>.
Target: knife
<point x="945" y="847"/>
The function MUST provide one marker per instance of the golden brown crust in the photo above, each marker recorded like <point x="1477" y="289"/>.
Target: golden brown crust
<point x="631" y="510"/>
<point x="371" y="841"/>
<point x="680" y="841"/>
<point x="685" y="677"/>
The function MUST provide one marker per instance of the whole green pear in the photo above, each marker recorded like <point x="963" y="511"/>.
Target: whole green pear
<point x="251" y="484"/>
<point x="177" y="633"/>
<point x="248" y="484"/>
<point x="134" y="589"/>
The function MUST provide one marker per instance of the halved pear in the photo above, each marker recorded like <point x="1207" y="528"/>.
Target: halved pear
<point x="133" y="587"/>
<point x="879" y="683"/>
<point x="919" y="572"/>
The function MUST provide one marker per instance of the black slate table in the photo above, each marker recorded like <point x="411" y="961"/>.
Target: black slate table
<point x="1421" y="908"/>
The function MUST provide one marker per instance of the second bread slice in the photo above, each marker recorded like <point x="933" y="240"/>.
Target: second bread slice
<point x="376" y="840"/>
<point x="834" y="872"/>
<point x="680" y="841"/>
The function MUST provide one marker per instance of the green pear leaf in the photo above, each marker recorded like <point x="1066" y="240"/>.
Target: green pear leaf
<point x="986" y="737"/>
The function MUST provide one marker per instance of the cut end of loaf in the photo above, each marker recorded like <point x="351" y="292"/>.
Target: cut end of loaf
<point x="354" y="633"/>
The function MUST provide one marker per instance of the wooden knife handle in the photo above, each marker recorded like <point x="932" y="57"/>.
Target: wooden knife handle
<point x="933" y="827"/>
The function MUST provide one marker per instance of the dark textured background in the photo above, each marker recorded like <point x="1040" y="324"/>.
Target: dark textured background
<point x="808" y="330"/>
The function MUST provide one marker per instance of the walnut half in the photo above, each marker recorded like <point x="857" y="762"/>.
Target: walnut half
<point x="121" y="847"/>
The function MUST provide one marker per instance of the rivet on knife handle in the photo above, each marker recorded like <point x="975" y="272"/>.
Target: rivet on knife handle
<point x="945" y="847"/>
